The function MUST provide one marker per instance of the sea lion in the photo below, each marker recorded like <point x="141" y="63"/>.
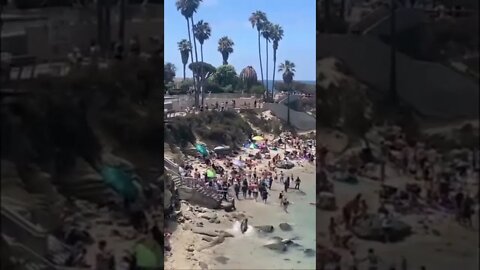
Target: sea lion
<point x="244" y="225"/>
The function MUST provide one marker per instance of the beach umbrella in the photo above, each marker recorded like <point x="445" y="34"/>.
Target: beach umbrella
<point x="238" y="163"/>
<point x="221" y="148"/>
<point x="202" y="149"/>
<point x="258" y="138"/>
<point x="120" y="181"/>
<point x="146" y="258"/>
<point x="211" y="173"/>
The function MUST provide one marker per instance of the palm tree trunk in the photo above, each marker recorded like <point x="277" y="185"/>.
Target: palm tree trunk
<point x="393" y="53"/>
<point x="121" y="28"/>
<point x="108" y="6"/>
<point x="191" y="57"/>
<point x="201" y="72"/>
<point x="266" y="69"/>
<point x="196" y="55"/>
<point x="184" y="67"/>
<point x="342" y="9"/>
<point x="288" y="105"/>
<point x="260" y="57"/>
<point x="100" y="24"/>
<point x="274" y="65"/>
<point x="327" y="15"/>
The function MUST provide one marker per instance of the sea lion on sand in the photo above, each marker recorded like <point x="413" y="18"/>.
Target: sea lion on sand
<point x="244" y="225"/>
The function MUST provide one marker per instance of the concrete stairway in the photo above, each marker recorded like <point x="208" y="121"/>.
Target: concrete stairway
<point x="28" y="259"/>
<point x="32" y="244"/>
<point x="90" y="189"/>
<point x="190" y="192"/>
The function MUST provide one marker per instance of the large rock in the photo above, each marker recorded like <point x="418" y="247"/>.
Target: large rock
<point x="265" y="228"/>
<point x="208" y="216"/>
<point x="209" y="232"/>
<point x="277" y="246"/>
<point x="309" y="252"/>
<point x="285" y="226"/>
<point x="370" y="228"/>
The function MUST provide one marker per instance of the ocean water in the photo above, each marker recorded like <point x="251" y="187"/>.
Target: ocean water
<point x="246" y="251"/>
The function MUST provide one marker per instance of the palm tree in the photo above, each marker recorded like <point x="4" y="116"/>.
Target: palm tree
<point x="266" y="33"/>
<point x="187" y="8"/>
<point x="248" y="76"/>
<point x="276" y="36"/>
<point x="185" y="47"/>
<point x="225" y="47"/>
<point x="202" y="32"/>
<point x="288" y="69"/>
<point x="258" y="18"/>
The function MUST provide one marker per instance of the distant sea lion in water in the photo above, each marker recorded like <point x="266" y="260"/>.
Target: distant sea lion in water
<point x="244" y="225"/>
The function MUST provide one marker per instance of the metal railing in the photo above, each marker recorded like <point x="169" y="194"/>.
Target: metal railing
<point x="191" y="182"/>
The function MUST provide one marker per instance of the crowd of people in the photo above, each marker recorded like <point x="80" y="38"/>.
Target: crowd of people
<point x="252" y="177"/>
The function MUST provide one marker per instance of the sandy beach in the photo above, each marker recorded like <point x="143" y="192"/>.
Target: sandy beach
<point x="437" y="240"/>
<point x="192" y="249"/>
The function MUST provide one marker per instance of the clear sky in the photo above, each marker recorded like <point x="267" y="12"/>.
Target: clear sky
<point x="230" y="18"/>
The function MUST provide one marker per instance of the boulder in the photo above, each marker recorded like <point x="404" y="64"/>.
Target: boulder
<point x="309" y="252"/>
<point x="265" y="228"/>
<point x="370" y="228"/>
<point x="222" y="259"/>
<point x="208" y="216"/>
<point x="290" y="243"/>
<point x="277" y="246"/>
<point x="203" y="266"/>
<point x="206" y="232"/>
<point x="285" y="226"/>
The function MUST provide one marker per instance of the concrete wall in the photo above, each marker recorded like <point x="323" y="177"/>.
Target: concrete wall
<point x="433" y="89"/>
<point x="39" y="40"/>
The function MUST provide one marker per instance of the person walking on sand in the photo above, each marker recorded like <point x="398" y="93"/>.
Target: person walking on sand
<point x="354" y="262"/>
<point x="285" y="204"/>
<point x="244" y="188"/>
<point x="332" y="230"/>
<point x="255" y="191"/>
<point x="264" y="195"/>
<point x="270" y="182"/>
<point x="297" y="183"/>
<point x="236" y="188"/>
<point x="104" y="258"/>
<point x="286" y="184"/>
